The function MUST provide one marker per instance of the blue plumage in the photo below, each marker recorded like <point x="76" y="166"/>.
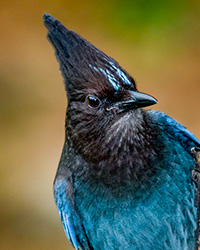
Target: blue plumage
<point x="124" y="178"/>
<point x="155" y="217"/>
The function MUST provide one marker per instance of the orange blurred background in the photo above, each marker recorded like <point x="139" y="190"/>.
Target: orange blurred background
<point x="157" y="42"/>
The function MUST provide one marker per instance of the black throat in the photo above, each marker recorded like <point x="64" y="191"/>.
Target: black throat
<point x="125" y="154"/>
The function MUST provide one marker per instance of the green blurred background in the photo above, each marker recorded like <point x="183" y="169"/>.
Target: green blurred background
<point x="156" y="41"/>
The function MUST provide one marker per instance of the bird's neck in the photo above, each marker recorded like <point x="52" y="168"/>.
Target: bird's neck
<point x="130" y="149"/>
<point x="126" y="153"/>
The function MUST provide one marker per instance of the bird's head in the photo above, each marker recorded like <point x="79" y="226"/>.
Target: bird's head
<point x="103" y="100"/>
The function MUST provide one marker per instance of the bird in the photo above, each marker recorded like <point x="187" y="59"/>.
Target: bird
<point x="124" y="176"/>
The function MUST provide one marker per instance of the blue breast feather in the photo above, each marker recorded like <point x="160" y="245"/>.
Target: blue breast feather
<point x="66" y="209"/>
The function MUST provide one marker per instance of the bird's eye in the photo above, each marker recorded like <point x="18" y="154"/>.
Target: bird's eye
<point x="93" y="101"/>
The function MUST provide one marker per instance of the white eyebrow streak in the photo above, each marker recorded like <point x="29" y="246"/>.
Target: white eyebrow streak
<point x="110" y="77"/>
<point x="121" y="74"/>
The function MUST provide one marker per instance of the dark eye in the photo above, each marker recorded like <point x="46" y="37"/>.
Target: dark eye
<point x="93" y="101"/>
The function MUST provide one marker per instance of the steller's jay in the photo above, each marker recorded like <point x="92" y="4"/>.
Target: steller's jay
<point x="124" y="178"/>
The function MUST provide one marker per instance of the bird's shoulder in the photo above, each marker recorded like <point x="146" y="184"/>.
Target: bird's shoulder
<point x="65" y="201"/>
<point x="63" y="195"/>
<point x="174" y="129"/>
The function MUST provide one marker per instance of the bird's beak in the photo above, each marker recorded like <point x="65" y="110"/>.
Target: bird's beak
<point x="137" y="100"/>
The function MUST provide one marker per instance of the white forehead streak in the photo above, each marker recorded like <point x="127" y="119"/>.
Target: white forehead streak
<point x="121" y="74"/>
<point x="108" y="75"/>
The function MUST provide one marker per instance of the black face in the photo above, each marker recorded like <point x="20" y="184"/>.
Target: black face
<point x="103" y="102"/>
<point x="95" y="119"/>
<point x="91" y="115"/>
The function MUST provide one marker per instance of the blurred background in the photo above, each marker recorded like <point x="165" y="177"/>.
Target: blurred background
<point x="157" y="42"/>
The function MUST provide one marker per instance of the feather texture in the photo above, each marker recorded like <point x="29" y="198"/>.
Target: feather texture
<point x="124" y="177"/>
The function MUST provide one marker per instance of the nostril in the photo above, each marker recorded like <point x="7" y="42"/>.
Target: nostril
<point x="114" y="110"/>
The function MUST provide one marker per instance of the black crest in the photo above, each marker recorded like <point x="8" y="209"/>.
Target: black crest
<point x="83" y="64"/>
